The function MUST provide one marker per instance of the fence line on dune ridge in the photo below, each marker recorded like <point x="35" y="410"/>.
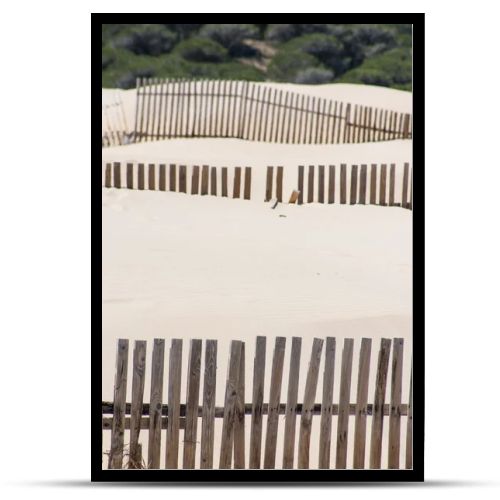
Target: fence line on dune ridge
<point x="115" y="130"/>
<point x="170" y="108"/>
<point x="325" y="184"/>
<point x="181" y="420"/>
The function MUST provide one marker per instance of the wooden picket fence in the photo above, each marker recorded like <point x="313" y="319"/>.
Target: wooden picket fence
<point x="202" y="181"/>
<point x="115" y="130"/>
<point x="366" y="186"/>
<point x="168" y="108"/>
<point x="233" y="453"/>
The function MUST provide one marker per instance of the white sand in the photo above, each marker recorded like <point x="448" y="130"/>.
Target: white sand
<point x="182" y="266"/>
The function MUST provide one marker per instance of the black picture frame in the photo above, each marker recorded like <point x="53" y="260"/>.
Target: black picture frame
<point x="261" y="476"/>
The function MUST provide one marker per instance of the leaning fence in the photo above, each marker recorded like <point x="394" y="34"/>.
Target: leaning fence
<point x="343" y="184"/>
<point x="167" y="108"/>
<point x="200" y="447"/>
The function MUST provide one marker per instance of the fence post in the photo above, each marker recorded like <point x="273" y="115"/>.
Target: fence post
<point x="345" y="392"/>
<point x="378" y="404"/>
<point x="226" y="448"/>
<point x="239" y="418"/>
<point x="130" y="176"/>
<point x="291" y="404"/>
<point x="404" y="198"/>
<point x="224" y="182"/>
<point x="120" y="394"/>
<point x="310" y="185"/>
<point x="331" y="184"/>
<point x="174" y="399"/>
<point x="117" y="181"/>
<point x="107" y="175"/>
<point x="383" y="181"/>
<point x="325" y="435"/>
<point x="343" y="183"/>
<point x="138" y="379"/>
<point x="274" y="403"/>
<point x="269" y="183"/>
<point x="192" y="399"/>
<point x="237" y="182"/>
<point x="182" y="179"/>
<point x="354" y="184"/>
<point x="392" y="182"/>
<point x="409" y="428"/>
<point x="395" y="413"/>
<point x="248" y="183"/>
<point x="213" y="181"/>
<point x="361" y="404"/>
<point x="279" y="184"/>
<point x="208" y="411"/>
<point x="173" y="180"/>
<point x="259" y="366"/>
<point x="308" y="404"/>
<point x="195" y="180"/>
<point x="321" y="184"/>
<point x="301" y="184"/>
<point x="362" y="185"/>
<point x="151" y="177"/>
<point x="204" y="179"/>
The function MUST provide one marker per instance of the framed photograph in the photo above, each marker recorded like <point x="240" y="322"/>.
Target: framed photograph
<point x="260" y="312"/>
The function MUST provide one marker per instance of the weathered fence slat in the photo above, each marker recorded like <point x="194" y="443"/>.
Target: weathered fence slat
<point x="173" y="178"/>
<point x="361" y="404"/>
<point x="362" y="184"/>
<point x="392" y="183"/>
<point x="213" y="181"/>
<point x="300" y="183"/>
<point x="373" y="184"/>
<point x="107" y="175"/>
<point x="343" y="183"/>
<point x="274" y="402"/>
<point x="192" y="401"/>
<point x="140" y="176"/>
<point x="248" y="183"/>
<point x="379" y="404"/>
<point x="383" y="181"/>
<point x="308" y="404"/>
<point x="269" y="183"/>
<point x="138" y="379"/>
<point x="237" y="182"/>
<point x="331" y="184"/>
<point x="233" y="372"/>
<point x="224" y="182"/>
<point x="257" y="402"/>
<point x="195" y="180"/>
<point x="321" y="184"/>
<point x="117" y="178"/>
<point x="279" y="184"/>
<point x="409" y="428"/>
<point x="208" y="412"/>
<point x="204" y="179"/>
<point x="130" y="175"/>
<point x="291" y="404"/>
<point x="404" y="197"/>
<point x="239" y="417"/>
<point x="182" y="179"/>
<point x="120" y="394"/>
<point x="151" y="177"/>
<point x="325" y="436"/>
<point x="354" y="184"/>
<point x="174" y="399"/>
<point x="155" y="404"/>
<point x="395" y="416"/>
<point x="162" y="183"/>
<point x="310" y="185"/>
<point x="345" y="393"/>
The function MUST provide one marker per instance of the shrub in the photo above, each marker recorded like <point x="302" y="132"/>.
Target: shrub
<point x="229" y="35"/>
<point x="325" y="48"/>
<point x="183" y="30"/>
<point x="149" y="39"/>
<point x="314" y="76"/>
<point x="286" y="65"/>
<point x="128" y="79"/>
<point x="281" y="32"/>
<point x="201" y="50"/>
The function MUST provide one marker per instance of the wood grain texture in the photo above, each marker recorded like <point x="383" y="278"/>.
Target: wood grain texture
<point x="259" y="367"/>
<point x="208" y="412"/>
<point x="174" y="399"/>
<point x="239" y="416"/>
<point x="361" y="404"/>
<point x="345" y="392"/>
<point x="395" y="416"/>
<point x="115" y="459"/>
<point x="155" y="405"/>
<point x="274" y="402"/>
<point x="325" y="436"/>
<point x="226" y="447"/>
<point x="291" y="404"/>
<point x="138" y="379"/>
<point x="379" y="404"/>
<point x="308" y="404"/>
<point x="192" y="401"/>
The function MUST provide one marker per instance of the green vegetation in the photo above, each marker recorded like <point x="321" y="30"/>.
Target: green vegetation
<point x="374" y="54"/>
